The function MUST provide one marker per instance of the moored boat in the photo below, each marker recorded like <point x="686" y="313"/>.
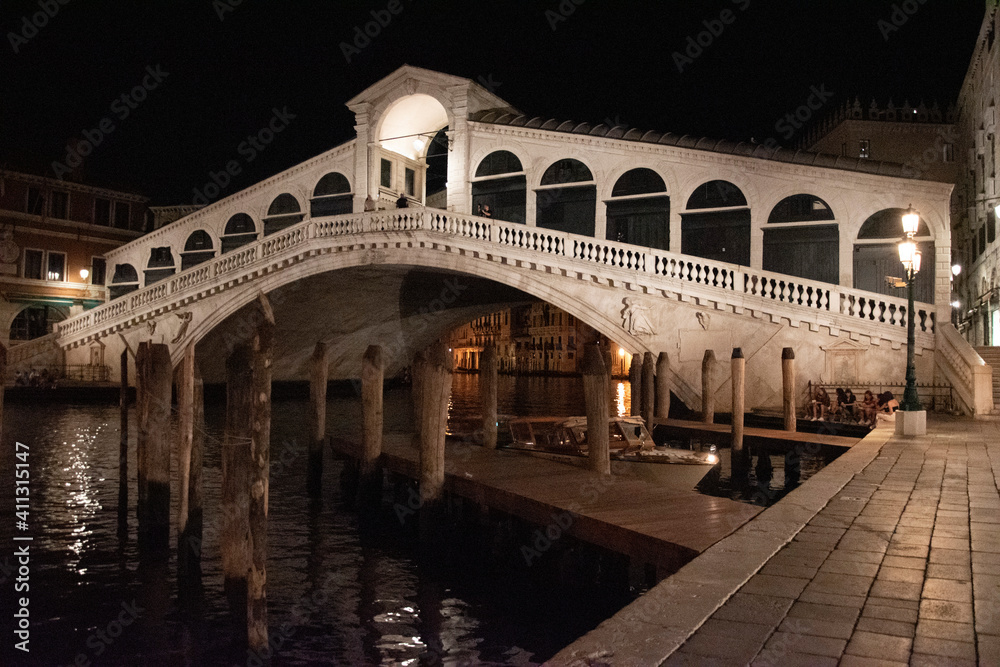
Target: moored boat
<point x="632" y="450"/>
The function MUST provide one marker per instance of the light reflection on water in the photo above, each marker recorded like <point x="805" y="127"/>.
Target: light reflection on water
<point x="344" y="595"/>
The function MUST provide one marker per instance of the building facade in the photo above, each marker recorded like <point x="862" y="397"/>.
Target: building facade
<point x="535" y="338"/>
<point x="53" y="238"/>
<point x="976" y="200"/>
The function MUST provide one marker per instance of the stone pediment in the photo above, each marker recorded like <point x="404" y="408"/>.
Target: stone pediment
<point x="409" y="80"/>
<point x="844" y="346"/>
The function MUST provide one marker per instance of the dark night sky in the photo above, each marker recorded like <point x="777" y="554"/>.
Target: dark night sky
<point x="607" y="60"/>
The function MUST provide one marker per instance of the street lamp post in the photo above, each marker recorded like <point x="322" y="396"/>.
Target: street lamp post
<point x="910" y="258"/>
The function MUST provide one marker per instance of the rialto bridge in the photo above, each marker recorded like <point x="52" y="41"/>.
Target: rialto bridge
<point x="659" y="242"/>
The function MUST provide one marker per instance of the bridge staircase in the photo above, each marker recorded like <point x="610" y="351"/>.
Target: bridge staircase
<point x="991" y="355"/>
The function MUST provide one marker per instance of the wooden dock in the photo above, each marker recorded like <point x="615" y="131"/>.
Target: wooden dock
<point x="651" y="523"/>
<point x="720" y="434"/>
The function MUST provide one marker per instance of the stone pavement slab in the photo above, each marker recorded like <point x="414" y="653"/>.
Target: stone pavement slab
<point x="895" y="560"/>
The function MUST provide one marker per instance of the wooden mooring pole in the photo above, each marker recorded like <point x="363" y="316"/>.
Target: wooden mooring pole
<point x="788" y="387"/>
<point x="489" y="379"/>
<point x="739" y="459"/>
<point x="707" y="393"/>
<point x="436" y="392"/>
<point x="595" y="384"/>
<point x="372" y="379"/>
<point x="245" y="476"/>
<point x="185" y="444"/>
<point x="123" y="448"/>
<point x="260" y="473"/>
<point x="318" y="373"/>
<point x="635" y="382"/>
<point x="663" y="386"/>
<point x="153" y="384"/>
<point x="195" y="514"/>
<point x="648" y="397"/>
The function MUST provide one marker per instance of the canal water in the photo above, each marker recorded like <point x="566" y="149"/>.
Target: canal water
<point x="339" y="592"/>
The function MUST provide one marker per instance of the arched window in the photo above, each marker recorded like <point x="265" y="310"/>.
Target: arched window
<point x="160" y="264"/>
<point x="36" y="321"/>
<point x="283" y="212"/>
<point x="567" y="198"/>
<point x="717" y="224"/>
<point x="876" y="256"/>
<point x="501" y="188"/>
<point x="803" y="242"/>
<point x="197" y="249"/>
<point x="332" y="196"/>
<point x="639" y="210"/>
<point x="240" y="230"/>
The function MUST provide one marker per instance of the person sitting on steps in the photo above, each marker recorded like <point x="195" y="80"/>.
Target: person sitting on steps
<point x="820" y="404"/>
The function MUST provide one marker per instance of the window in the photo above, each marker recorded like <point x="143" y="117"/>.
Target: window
<point x="159" y="257"/>
<point x="567" y="207"/>
<point x="59" y="205"/>
<point x="56" y="266"/>
<point x="332" y="196"/>
<point x="33" y="264"/>
<point x="982" y="240"/>
<point x="283" y="212"/>
<point x="722" y="235"/>
<point x="948" y="153"/>
<point x="36" y="202"/>
<point x="410" y="181"/>
<point x="865" y="148"/>
<point x="644" y="218"/>
<point x="386" y="173"/>
<point x="843" y="149"/>
<point x="102" y="212"/>
<point x="121" y="215"/>
<point x="98" y="270"/>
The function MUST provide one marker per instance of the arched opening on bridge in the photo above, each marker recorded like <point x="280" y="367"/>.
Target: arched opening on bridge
<point x="639" y="210"/>
<point x="332" y="196"/>
<point x="124" y="280"/>
<point x="566" y="199"/>
<point x="876" y="256"/>
<point x="197" y="249"/>
<point x="716" y="224"/>
<point x="160" y="264"/>
<point x="240" y="230"/>
<point x="437" y="171"/>
<point x="501" y="185"/>
<point x="36" y="321"/>
<point x="805" y="241"/>
<point x="283" y="212"/>
<point x="410" y="132"/>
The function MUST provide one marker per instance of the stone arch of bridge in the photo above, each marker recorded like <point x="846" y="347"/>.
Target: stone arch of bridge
<point x="606" y="321"/>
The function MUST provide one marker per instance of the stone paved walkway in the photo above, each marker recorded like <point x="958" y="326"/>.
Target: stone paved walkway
<point x="900" y="566"/>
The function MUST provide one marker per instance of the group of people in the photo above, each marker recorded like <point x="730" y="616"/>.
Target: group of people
<point x="33" y="378"/>
<point x="846" y="405"/>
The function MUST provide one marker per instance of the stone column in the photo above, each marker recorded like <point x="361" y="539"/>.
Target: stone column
<point x="739" y="461"/>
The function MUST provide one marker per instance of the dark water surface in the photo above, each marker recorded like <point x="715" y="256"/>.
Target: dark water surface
<point x="348" y="594"/>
